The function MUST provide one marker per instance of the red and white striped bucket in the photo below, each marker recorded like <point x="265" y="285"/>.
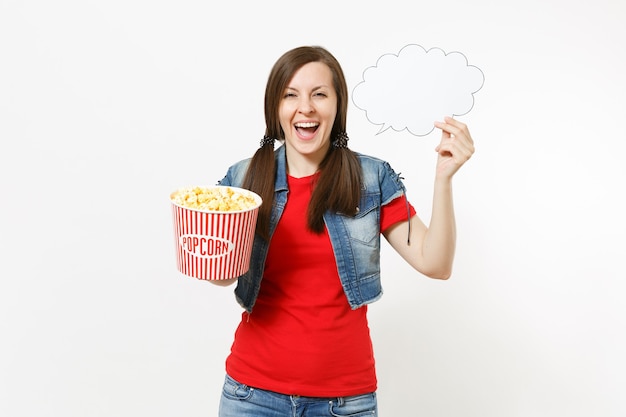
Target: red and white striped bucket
<point x="214" y="245"/>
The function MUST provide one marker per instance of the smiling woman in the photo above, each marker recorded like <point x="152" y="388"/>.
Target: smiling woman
<point x="315" y="263"/>
<point x="307" y="114"/>
<point x="338" y="185"/>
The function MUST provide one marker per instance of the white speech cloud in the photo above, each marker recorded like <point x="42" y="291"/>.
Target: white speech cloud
<point x="411" y="90"/>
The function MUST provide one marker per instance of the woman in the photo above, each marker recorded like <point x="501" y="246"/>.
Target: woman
<point x="303" y="346"/>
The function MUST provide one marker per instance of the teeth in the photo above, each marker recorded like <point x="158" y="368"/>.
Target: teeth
<point x="305" y="125"/>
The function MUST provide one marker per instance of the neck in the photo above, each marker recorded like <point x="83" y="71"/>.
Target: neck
<point x="299" y="165"/>
<point x="300" y="171"/>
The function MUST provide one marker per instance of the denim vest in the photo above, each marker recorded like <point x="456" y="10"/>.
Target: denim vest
<point x="355" y="240"/>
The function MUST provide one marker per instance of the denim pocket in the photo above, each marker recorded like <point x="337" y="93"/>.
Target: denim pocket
<point x="355" y="406"/>
<point x="233" y="390"/>
<point x="365" y="226"/>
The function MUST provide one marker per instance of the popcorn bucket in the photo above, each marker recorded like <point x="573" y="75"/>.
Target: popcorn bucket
<point x="215" y="244"/>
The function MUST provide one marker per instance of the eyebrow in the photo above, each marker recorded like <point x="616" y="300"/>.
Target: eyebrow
<point x="314" y="89"/>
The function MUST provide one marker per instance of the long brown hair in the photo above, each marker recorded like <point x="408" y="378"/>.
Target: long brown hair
<point x="338" y="187"/>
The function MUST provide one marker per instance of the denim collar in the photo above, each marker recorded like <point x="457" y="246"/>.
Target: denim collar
<point x="281" y="169"/>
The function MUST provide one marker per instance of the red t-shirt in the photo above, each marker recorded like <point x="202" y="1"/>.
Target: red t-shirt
<point x="302" y="337"/>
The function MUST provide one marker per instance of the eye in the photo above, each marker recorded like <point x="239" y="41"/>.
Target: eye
<point x="289" y="95"/>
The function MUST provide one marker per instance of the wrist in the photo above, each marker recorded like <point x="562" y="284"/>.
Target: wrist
<point x="443" y="181"/>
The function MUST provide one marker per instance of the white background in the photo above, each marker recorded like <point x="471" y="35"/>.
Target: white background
<point x="106" y="107"/>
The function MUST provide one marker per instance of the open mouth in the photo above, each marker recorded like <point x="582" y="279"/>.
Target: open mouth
<point x="307" y="129"/>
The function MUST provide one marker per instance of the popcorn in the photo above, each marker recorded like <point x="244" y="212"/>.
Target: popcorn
<point x="218" y="198"/>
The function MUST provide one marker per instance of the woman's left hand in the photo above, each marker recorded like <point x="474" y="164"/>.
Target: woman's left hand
<point x="455" y="148"/>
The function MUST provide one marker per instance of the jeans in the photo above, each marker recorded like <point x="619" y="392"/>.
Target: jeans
<point x="239" y="400"/>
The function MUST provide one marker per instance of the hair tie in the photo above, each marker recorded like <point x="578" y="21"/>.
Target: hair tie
<point x="341" y="140"/>
<point x="267" y="141"/>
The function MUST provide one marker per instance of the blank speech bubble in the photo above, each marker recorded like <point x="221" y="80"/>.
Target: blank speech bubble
<point x="416" y="87"/>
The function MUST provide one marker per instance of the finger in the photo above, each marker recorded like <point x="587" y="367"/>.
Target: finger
<point x="456" y="124"/>
<point x="445" y="136"/>
<point x="454" y="127"/>
<point x="460" y="150"/>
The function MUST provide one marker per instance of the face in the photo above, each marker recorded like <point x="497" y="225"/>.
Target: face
<point x="307" y="112"/>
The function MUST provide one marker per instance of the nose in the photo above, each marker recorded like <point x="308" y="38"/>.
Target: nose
<point x="306" y="106"/>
